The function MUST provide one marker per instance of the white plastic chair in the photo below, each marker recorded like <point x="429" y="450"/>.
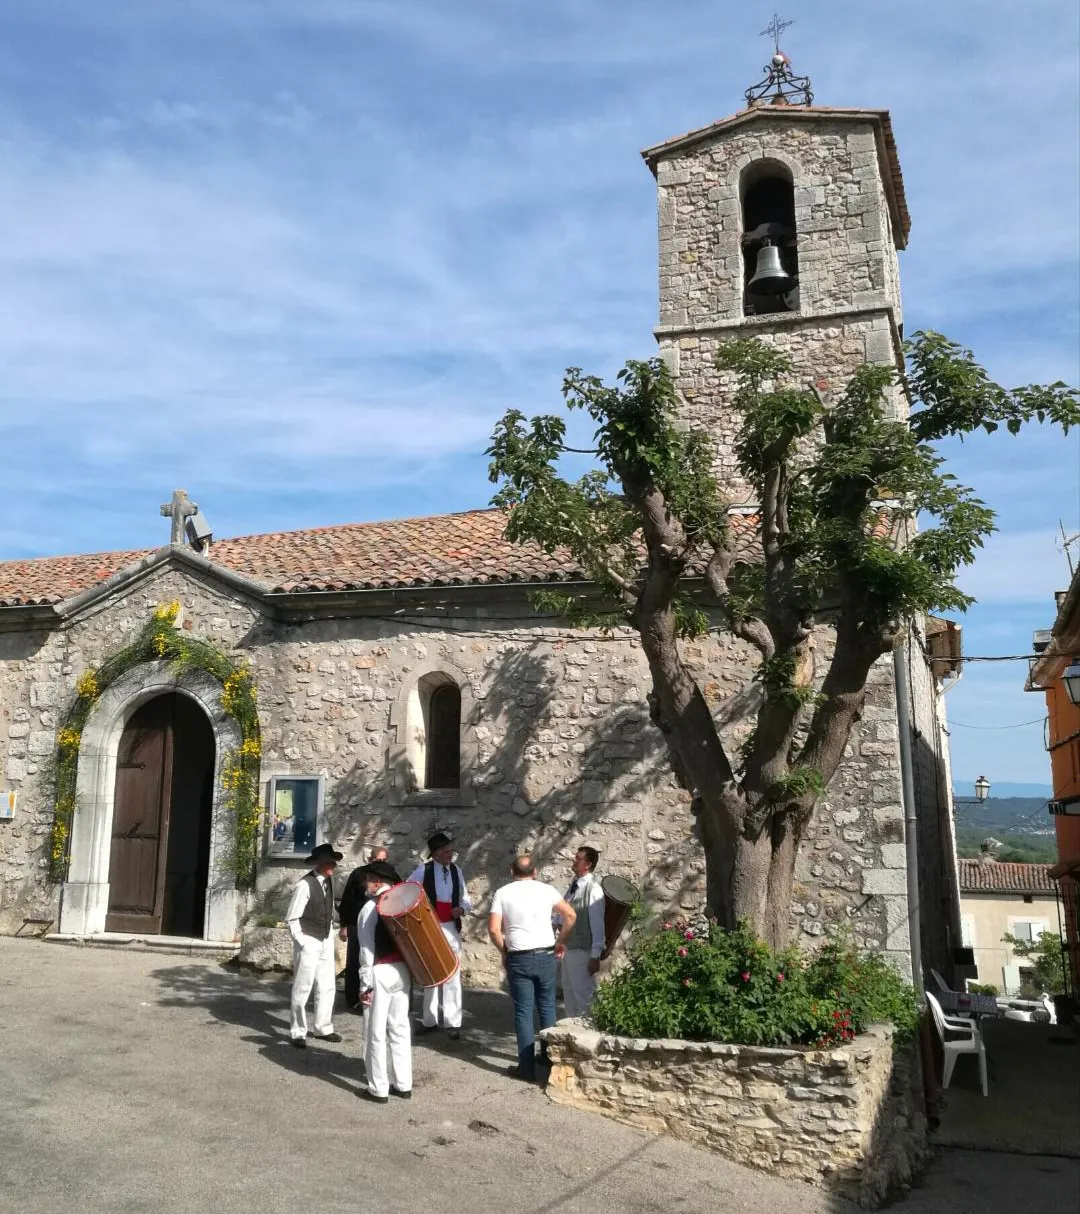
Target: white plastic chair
<point x="950" y="999"/>
<point x="966" y="1039"/>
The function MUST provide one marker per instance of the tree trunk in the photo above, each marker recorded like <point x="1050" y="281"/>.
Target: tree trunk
<point x="756" y="880"/>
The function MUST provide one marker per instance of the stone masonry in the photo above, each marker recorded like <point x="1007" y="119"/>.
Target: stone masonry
<point x="848" y="1118"/>
<point x="555" y="735"/>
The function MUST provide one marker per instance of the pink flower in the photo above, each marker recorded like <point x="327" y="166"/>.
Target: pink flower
<point x="746" y="975"/>
<point x="684" y="952"/>
<point x="687" y="982"/>
<point x="779" y="977"/>
<point x="667" y="927"/>
<point x="688" y="934"/>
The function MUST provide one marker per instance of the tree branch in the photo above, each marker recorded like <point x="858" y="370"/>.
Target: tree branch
<point x="749" y="628"/>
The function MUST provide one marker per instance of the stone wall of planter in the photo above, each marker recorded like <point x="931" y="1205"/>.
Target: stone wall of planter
<point x="849" y="1119"/>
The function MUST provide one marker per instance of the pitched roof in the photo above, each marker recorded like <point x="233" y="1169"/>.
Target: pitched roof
<point x="888" y="156"/>
<point x="445" y="550"/>
<point x="993" y="876"/>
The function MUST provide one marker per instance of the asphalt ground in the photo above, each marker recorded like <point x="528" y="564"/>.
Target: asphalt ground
<point x="138" y="1082"/>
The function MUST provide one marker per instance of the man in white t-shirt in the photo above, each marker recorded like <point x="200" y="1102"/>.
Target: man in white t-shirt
<point x="520" y="928"/>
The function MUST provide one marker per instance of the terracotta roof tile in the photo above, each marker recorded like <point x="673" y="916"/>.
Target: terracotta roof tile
<point x="50" y="579"/>
<point x="445" y="550"/>
<point x="977" y="876"/>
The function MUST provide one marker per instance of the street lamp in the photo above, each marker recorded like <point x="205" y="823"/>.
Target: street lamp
<point x="982" y="791"/>
<point x="1071" y="679"/>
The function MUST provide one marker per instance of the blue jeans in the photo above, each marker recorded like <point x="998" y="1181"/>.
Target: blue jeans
<point x="532" y="991"/>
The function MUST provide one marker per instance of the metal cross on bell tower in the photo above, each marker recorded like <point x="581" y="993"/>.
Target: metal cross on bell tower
<point x="780" y="86"/>
<point x="774" y="29"/>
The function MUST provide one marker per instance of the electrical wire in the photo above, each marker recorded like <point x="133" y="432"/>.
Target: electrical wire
<point x="1018" y="725"/>
<point x="1010" y="657"/>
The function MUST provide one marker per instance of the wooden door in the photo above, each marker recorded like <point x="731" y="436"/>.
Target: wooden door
<point x="140" y="829"/>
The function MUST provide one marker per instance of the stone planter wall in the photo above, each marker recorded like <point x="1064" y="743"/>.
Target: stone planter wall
<point x="849" y="1119"/>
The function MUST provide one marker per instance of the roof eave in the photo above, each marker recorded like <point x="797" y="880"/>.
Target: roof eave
<point x="1064" y="641"/>
<point x="169" y="554"/>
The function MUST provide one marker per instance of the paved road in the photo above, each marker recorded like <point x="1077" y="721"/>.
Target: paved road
<point x="133" y="1082"/>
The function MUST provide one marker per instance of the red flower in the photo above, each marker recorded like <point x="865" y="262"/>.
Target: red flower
<point x="688" y="934"/>
<point x="779" y="977"/>
<point x="746" y="975"/>
<point x="667" y="927"/>
<point x="684" y="952"/>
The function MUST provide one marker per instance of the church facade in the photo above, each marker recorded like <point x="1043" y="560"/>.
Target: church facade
<point x="403" y="683"/>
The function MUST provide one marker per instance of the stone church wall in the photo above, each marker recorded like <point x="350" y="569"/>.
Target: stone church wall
<point x="555" y="737"/>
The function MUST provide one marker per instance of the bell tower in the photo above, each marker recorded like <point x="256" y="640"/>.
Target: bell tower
<point x="782" y="222"/>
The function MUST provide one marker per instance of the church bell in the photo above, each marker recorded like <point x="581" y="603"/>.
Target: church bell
<point x="770" y="277"/>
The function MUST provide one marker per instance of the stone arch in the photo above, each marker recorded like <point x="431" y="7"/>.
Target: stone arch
<point x="766" y="193"/>
<point x="404" y="758"/>
<point x="85" y="895"/>
<point x="775" y="154"/>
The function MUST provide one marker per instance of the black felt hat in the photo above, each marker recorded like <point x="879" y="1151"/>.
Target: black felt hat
<point x="436" y="841"/>
<point x="383" y="870"/>
<point x="324" y="852"/>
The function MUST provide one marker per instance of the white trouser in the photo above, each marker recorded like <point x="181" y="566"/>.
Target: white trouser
<point x="451" y="990"/>
<point x="386" y="1024"/>
<point x="578" y="984"/>
<point x="313" y="966"/>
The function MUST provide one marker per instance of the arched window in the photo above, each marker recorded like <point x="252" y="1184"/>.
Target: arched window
<point x="770" y="252"/>
<point x="442" y="728"/>
<point x="433" y="734"/>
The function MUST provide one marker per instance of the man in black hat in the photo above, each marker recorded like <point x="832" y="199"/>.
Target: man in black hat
<point x="352" y="902"/>
<point x="310" y="919"/>
<point x="445" y="885"/>
<point x="386" y="984"/>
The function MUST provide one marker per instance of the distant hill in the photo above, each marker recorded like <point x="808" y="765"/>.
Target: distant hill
<point x="1022" y="824"/>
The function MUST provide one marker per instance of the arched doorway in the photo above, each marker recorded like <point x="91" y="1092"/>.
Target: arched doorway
<point x="159" y="855"/>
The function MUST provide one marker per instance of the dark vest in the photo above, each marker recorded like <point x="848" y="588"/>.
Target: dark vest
<point x="455" y="886"/>
<point x="318" y="917"/>
<point x="385" y="946"/>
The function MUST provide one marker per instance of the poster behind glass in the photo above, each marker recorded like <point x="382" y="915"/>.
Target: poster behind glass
<point x="294" y="815"/>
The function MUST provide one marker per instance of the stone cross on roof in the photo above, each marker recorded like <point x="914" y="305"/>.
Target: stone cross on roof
<point x="180" y="509"/>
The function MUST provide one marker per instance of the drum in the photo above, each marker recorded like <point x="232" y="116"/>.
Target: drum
<point x="410" y="919"/>
<point x="620" y="896"/>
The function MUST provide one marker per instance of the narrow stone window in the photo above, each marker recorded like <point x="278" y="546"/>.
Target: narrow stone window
<point x="442" y="730"/>
<point x="769" y="240"/>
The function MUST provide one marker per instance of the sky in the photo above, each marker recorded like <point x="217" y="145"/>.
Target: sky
<point x="298" y="256"/>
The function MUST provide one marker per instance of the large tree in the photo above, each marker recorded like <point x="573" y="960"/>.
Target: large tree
<point x="839" y="485"/>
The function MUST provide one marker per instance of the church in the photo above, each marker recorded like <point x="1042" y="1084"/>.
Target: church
<point x="179" y="727"/>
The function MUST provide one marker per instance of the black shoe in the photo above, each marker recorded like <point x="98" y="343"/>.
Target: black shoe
<point x="515" y="1072"/>
<point x="364" y="1094"/>
<point x="453" y="1034"/>
<point x="422" y="1030"/>
<point x="299" y="1043"/>
<point x="329" y="1037"/>
<point x="403" y="1095"/>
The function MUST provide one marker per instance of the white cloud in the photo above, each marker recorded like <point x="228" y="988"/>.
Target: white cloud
<point x="325" y="243"/>
<point x="1018" y="567"/>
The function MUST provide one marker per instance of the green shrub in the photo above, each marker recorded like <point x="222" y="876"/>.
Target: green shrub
<point x="983" y="988"/>
<point x="707" y="984"/>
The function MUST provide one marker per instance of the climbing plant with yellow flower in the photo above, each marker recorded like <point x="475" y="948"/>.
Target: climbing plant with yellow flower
<point x="161" y="640"/>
